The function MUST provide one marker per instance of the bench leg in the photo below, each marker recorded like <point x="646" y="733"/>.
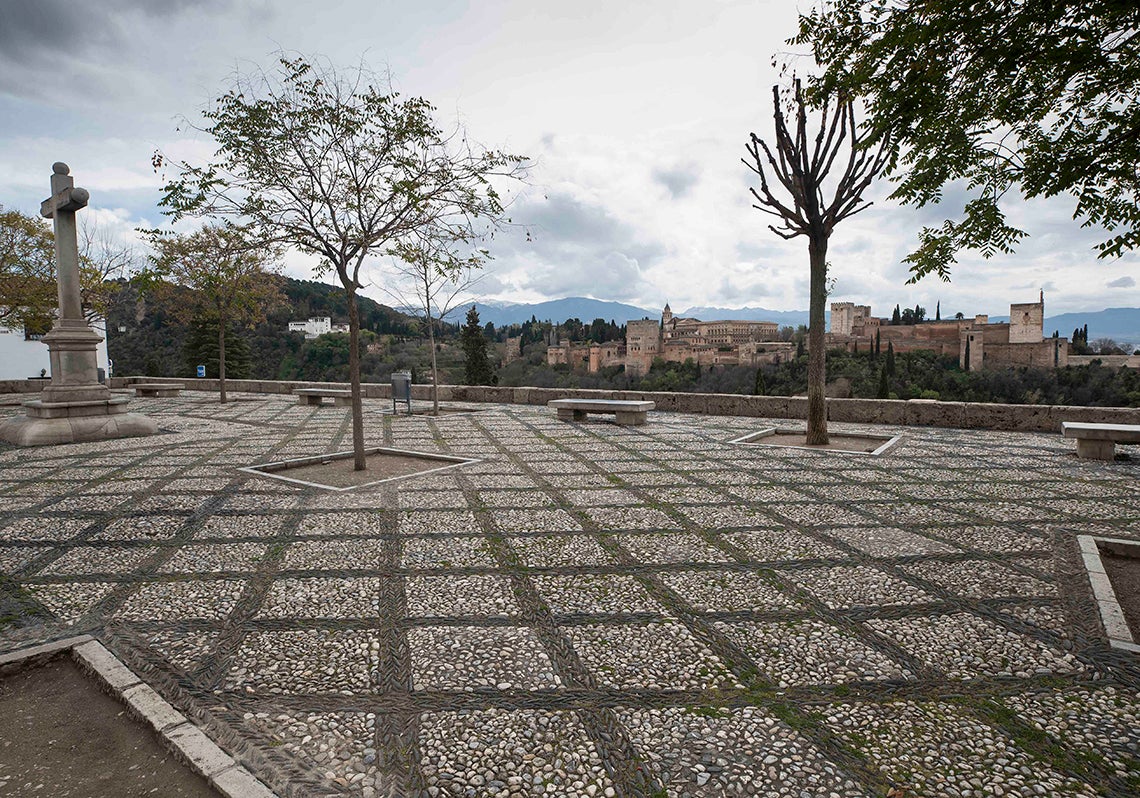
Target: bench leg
<point x="630" y="419"/>
<point x="566" y="414"/>
<point x="309" y="400"/>
<point x="1089" y="449"/>
<point x="345" y="401"/>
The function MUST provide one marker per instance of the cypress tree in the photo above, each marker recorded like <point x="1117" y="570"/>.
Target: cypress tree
<point x="890" y="366"/>
<point x="759" y="388"/>
<point x="884" y="386"/>
<point x="896" y="317"/>
<point x="878" y="342"/>
<point x="476" y="366"/>
<point x="938" y="311"/>
<point x="201" y="348"/>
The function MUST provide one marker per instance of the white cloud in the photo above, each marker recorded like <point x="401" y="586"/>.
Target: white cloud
<point x="636" y="121"/>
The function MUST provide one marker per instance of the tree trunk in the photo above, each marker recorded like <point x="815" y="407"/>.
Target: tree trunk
<point x="222" y="359"/>
<point x="431" y="344"/>
<point x="354" y="377"/>
<point x="817" y="372"/>
<point x="434" y="372"/>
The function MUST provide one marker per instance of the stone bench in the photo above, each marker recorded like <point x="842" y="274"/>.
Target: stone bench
<point x="627" y="412"/>
<point x="313" y="396"/>
<point x="156" y="389"/>
<point x="1098" y="441"/>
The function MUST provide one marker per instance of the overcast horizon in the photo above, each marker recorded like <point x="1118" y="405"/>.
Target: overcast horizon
<point x="635" y="116"/>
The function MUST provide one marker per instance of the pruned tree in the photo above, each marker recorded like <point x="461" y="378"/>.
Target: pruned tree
<point x="337" y="166"/>
<point x="822" y="189"/>
<point x="430" y="277"/>
<point x="994" y="97"/>
<point x="232" y="280"/>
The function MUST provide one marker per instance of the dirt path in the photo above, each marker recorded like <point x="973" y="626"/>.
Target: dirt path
<point x="62" y="736"/>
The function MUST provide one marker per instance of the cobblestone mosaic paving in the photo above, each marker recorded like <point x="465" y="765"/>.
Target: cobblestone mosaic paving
<point x="592" y="609"/>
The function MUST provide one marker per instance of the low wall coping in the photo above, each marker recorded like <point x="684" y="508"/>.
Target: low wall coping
<point x="897" y="412"/>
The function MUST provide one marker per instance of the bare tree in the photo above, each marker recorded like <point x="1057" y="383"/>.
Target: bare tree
<point x="1106" y="346"/>
<point x="337" y="166"/>
<point x="818" y="201"/>
<point x="103" y="261"/>
<point x="430" y="276"/>
<point x="232" y="280"/>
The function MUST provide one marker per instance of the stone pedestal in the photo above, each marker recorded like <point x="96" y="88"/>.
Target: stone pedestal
<point x="50" y="423"/>
<point x="76" y="407"/>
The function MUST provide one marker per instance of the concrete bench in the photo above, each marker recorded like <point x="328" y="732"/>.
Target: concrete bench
<point x="156" y="389"/>
<point x="313" y="396"/>
<point x="1098" y="441"/>
<point x="627" y="412"/>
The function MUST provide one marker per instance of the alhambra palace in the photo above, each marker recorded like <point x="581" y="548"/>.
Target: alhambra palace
<point x="976" y="342"/>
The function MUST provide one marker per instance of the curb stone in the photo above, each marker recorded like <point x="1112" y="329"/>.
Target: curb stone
<point x="176" y="733"/>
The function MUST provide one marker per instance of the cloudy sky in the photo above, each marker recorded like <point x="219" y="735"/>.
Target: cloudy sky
<point x="634" y="113"/>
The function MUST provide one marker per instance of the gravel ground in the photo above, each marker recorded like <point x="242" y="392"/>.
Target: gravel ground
<point x="594" y="610"/>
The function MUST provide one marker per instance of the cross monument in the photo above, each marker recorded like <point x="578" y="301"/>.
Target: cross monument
<point x="75" y="407"/>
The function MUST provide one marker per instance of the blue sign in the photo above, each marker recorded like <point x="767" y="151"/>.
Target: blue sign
<point x="201" y="371"/>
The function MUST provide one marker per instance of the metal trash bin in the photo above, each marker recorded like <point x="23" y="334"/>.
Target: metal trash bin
<point x="402" y="389"/>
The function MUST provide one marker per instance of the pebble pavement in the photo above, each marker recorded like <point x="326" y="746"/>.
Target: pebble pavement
<point x="594" y="610"/>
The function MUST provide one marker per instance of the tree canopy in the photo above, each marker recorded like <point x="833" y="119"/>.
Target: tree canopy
<point x="27" y="269"/>
<point x="336" y="165"/>
<point x="28" y="293"/>
<point x="231" y="278"/>
<point x="1033" y="95"/>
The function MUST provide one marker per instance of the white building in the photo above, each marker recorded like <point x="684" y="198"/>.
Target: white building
<point x="23" y="356"/>
<point x="317" y="325"/>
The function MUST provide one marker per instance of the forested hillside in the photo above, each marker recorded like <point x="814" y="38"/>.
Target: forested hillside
<point x="145" y="335"/>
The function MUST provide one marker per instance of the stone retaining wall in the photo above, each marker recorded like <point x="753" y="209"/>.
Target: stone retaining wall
<point x="914" y="412"/>
<point x="23" y="386"/>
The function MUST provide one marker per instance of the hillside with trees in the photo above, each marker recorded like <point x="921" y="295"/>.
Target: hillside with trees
<point x="146" y="336"/>
<point x="909" y="375"/>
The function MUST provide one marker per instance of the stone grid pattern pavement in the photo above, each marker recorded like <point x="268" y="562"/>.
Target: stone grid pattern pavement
<point x="592" y="609"/>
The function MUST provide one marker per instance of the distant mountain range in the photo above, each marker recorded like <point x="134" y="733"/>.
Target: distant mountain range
<point x="793" y="318"/>
<point x="586" y="310"/>
<point x="1121" y="324"/>
<point x="559" y="310"/>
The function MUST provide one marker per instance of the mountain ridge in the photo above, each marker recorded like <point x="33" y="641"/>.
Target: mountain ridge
<point x="1122" y="324"/>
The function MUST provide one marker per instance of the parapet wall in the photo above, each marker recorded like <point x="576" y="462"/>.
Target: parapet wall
<point x="23" y="386"/>
<point x="911" y="413"/>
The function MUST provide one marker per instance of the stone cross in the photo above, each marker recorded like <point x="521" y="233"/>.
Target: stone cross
<point x="75" y="407"/>
<point x="71" y="342"/>
<point x="60" y="207"/>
